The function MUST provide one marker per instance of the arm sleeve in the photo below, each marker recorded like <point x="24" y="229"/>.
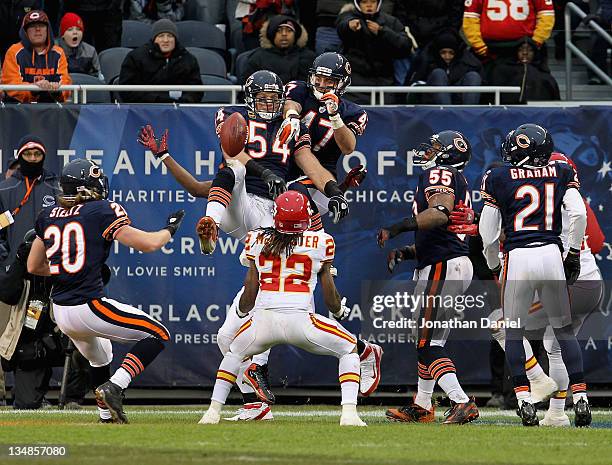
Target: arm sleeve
<point x="595" y="236"/>
<point x="471" y="26"/>
<point x="328" y="249"/>
<point x="62" y="70"/>
<point x="112" y="218"/>
<point x="545" y="21"/>
<point x="296" y="91"/>
<point x="11" y="74"/>
<point x="574" y="205"/>
<point x="357" y="122"/>
<point x="95" y="65"/>
<point x="489" y="228"/>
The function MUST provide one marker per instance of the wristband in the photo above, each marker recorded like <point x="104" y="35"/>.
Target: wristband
<point x="291" y="112"/>
<point x="163" y="156"/>
<point x="336" y="121"/>
<point x="332" y="189"/>
<point x="443" y="209"/>
<point x="574" y="251"/>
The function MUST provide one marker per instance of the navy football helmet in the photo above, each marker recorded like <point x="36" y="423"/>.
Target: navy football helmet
<point x="83" y="178"/>
<point x="528" y="146"/>
<point x="447" y="148"/>
<point x="270" y="106"/>
<point x="331" y="65"/>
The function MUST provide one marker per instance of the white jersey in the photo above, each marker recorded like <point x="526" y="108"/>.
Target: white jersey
<point x="588" y="266"/>
<point x="288" y="283"/>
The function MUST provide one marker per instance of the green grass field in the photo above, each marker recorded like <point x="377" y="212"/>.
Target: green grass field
<point x="299" y="435"/>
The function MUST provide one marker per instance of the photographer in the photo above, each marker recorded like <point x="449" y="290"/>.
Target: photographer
<point x="31" y="344"/>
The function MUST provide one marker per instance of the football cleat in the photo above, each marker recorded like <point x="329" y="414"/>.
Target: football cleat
<point x="583" y="413"/>
<point x="210" y="418"/>
<point x="106" y="420"/>
<point x="351" y="420"/>
<point x="112" y="396"/>
<point x="208" y="232"/>
<point x="542" y="388"/>
<point x="555" y="419"/>
<point x="412" y="414"/>
<point x="254" y="411"/>
<point x="528" y="414"/>
<point x="460" y="414"/>
<point x="369" y="365"/>
<point x="256" y="376"/>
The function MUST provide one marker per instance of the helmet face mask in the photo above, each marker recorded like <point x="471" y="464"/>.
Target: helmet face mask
<point x="330" y="72"/>
<point x="447" y="148"/>
<point x="528" y="146"/>
<point x="264" y="95"/>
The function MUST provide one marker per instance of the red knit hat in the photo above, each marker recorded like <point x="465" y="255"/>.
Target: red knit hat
<point x="71" y="20"/>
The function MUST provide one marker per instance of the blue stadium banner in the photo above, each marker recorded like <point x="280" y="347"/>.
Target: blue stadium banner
<point x="190" y="293"/>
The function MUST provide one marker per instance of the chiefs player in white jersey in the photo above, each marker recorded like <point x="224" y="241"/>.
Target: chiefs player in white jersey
<point x="285" y="263"/>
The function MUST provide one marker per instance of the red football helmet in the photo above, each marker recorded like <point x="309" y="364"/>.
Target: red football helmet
<point x="292" y="213"/>
<point x="559" y="157"/>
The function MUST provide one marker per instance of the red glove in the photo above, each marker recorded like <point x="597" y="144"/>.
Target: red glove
<point x="331" y="102"/>
<point x="462" y="214"/>
<point x="158" y="146"/>
<point x="354" y="178"/>
<point x="468" y="229"/>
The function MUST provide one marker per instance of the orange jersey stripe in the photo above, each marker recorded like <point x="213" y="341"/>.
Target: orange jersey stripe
<point x="429" y="309"/>
<point x="131" y="321"/>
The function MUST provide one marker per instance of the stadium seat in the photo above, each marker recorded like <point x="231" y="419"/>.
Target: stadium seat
<point x="202" y="35"/>
<point x="135" y="33"/>
<point x="92" y="97"/>
<point x="111" y="60"/>
<point x="216" y="97"/>
<point x="241" y="61"/>
<point x="209" y="61"/>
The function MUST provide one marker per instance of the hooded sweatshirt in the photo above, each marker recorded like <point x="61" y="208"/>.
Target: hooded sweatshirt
<point x="22" y="65"/>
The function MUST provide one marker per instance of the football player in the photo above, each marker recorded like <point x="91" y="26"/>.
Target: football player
<point x="333" y="123"/>
<point x="443" y="268"/>
<point x="285" y="262"/>
<point x="525" y="199"/>
<point x="72" y="243"/>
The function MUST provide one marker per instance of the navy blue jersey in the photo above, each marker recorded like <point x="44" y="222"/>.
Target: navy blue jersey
<point x="438" y="244"/>
<point x="529" y="201"/>
<point x="315" y="118"/>
<point x="78" y="240"/>
<point x="264" y="147"/>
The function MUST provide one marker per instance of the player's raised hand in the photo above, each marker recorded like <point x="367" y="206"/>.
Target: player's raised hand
<point x="332" y="103"/>
<point x="343" y="312"/>
<point x="399" y="255"/>
<point x="462" y="214"/>
<point x="354" y="178"/>
<point x="158" y="146"/>
<point x="276" y="184"/>
<point x="468" y="229"/>
<point x="289" y="128"/>
<point x="174" y="221"/>
<point x="571" y="266"/>
<point x="338" y="208"/>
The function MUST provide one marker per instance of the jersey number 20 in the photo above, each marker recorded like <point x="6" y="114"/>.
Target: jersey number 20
<point x="70" y="243"/>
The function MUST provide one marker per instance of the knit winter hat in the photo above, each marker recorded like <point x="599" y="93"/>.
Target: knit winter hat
<point x="447" y="40"/>
<point x="164" y="25"/>
<point x="282" y="20"/>
<point x="30" y="141"/>
<point x="71" y="20"/>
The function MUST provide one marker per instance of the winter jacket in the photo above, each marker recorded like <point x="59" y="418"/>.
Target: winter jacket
<point x="11" y="17"/>
<point x="328" y="10"/>
<point x="82" y="59"/>
<point x="290" y="64"/>
<point x="12" y="191"/>
<point x="147" y="65"/>
<point x="464" y="62"/>
<point x="426" y="18"/>
<point x="535" y="79"/>
<point x="371" y="56"/>
<point x="22" y="65"/>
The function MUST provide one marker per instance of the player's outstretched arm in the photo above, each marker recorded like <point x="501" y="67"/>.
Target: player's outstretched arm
<point x="150" y="241"/>
<point x="251" y="288"/>
<point x="159" y="148"/>
<point x="489" y="228"/>
<point x="37" y="260"/>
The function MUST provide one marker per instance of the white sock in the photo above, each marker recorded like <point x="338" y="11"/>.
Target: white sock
<point x="121" y="378"/>
<point x="103" y="411"/>
<point x="261" y="359"/>
<point x="556" y="367"/>
<point x="425" y="388"/>
<point x="348" y="375"/>
<point x="557" y="403"/>
<point x="349" y="409"/>
<point x="523" y="396"/>
<point x="226" y="377"/>
<point x="450" y="385"/>
<point x="532" y="367"/>
<point x="216" y="211"/>
<point x="215" y="406"/>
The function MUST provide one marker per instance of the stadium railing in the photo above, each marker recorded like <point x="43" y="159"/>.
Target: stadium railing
<point x="79" y="94"/>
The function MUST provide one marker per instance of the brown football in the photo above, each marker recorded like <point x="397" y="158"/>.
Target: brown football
<point x="233" y="134"/>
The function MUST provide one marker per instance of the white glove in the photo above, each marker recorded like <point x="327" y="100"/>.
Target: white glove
<point x="175" y="94"/>
<point x="290" y="127"/>
<point x="344" y="310"/>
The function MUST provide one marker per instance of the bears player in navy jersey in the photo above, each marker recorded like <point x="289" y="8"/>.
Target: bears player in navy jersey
<point x="333" y="123"/>
<point x="443" y="269"/>
<point x="524" y="199"/>
<point x="72" y="243"/>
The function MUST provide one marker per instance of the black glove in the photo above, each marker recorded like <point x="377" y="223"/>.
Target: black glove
<point x="276" y="184"/>
<point x="106" y="274"/>
<point x="174" y="221"/>
<point x="23" y="251"/>
<point x="399" y="255"/>
<point x="571" y="266"/>
<point x="338" y="207"/>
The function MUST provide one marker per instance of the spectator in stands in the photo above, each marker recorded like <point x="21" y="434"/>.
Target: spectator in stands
<point x="102" y="20"/>
<point x="82" y="57"/>
<point x="528" y="70"/>
<point x="599" y="45"/>
<point x="283" y="42"/>
<point x="447" y="62"/>
<point x="149" y="11"/>
<point x="161" y="61"/>
<point x="35" y="60"/>
<point x="255" y="13"/>
<point x="11" y="18"/>
<point x="371" y="41"/>
<point x="487" y="28"/>
<point x="427" y="18"/>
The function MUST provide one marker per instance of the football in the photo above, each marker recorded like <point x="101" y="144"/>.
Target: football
<point x="233" y="134"/>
